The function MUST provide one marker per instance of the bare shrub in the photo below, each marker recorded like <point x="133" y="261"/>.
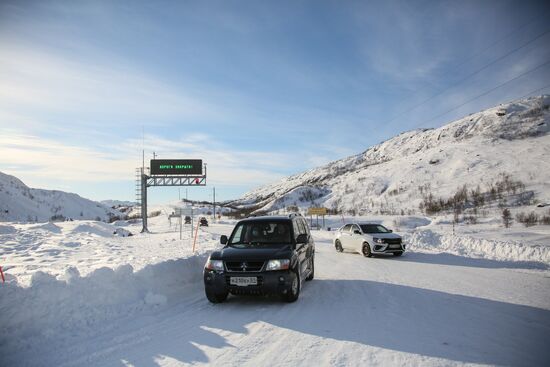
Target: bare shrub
<point x="470" y="219"/>
<point x="507" y="218"/>
<point x="528" y="220"/>
<point x="57" y="218"/>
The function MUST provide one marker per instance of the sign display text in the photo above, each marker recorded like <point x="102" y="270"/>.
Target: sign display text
<point x="317" y="211"/>
<point x="176" y="166"/>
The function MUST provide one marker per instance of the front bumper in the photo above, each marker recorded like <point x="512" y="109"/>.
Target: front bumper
<point x="269" y="282"/>
<point x="385" y="248"/>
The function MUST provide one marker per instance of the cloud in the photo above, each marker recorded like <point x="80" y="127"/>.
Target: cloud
<point x="37" y="159"/>
<point x="39" y="81"/>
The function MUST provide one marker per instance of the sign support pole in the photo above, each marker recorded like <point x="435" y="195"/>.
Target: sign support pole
<point x="144" y="202"/>
<point x="187" y="172"/>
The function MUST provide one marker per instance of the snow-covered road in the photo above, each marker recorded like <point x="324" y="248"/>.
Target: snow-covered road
<point x="420" y="309"/>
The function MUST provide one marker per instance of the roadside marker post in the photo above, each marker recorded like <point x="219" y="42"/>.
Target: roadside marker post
<point x="195" y="240"/>
<point x="2" y="274"/>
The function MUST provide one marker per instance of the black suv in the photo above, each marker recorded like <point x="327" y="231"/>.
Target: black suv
<point x="263" y="255"/>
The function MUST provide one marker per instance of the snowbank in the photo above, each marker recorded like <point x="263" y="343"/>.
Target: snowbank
<point x="7" y="229"/>
<point x="409" y="222"/>
<point x="477" y="247"/>
<point x="54" y="306"/>
<point x="94" y="228"/>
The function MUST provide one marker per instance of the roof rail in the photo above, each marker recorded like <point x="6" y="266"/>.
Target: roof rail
<point x="291" y="215"/>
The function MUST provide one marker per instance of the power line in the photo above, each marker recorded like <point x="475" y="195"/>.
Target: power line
<point x="457" y="66"/>
<point x="470" y="75"/>
<point x="488" y="47"/>
<point x="485" y="93"/>
<point x="535" y="91"/>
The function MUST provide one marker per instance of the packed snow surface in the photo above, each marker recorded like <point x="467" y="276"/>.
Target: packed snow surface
<point x="78" y="293"/>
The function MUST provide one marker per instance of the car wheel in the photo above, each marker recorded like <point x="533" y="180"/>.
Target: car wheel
<point x="398" y="253"/>
<point x="216" y="297"/>
<point x="312" y="267"/>
<point x="294" y="291"/>
<point x="338" y="246"/>
<point x="366" y="250"/>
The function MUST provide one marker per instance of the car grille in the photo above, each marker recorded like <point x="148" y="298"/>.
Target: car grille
<point x="244" y="266"/>
<point x="392" y="241"/>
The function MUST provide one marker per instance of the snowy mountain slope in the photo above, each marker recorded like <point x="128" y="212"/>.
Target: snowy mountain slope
<point x="18" y="202"/>
<point x="511" y="138"/>
<point x="117" y="203"/>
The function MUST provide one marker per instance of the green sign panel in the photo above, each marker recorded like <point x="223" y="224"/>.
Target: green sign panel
<point x="176" y="166"/>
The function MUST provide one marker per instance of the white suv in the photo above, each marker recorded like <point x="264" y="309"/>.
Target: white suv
<point x="368" y="239"/>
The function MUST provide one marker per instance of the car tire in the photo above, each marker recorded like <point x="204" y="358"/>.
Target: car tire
<point x="312" y="273"/>
<point x="366" y="250"/>
<point x="294" y="291"/>
<point x="216" y="297"/>
<point x="338" y="246"/>
<point x="398" y="253"/>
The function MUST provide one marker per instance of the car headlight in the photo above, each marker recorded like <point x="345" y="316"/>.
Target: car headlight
<point x="378" y="240"/>
<point x="281" y="264"/>
<point x="214" y="264"/>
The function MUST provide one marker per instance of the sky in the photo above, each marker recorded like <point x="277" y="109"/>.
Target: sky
<point x="258" y="90"/>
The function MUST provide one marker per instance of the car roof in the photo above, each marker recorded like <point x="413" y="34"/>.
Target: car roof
<point x="363" y="223"/>
<point x="264" y="218"/>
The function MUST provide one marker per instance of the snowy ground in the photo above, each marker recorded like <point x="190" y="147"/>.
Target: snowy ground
<point x="87" y="297"/>
<point x="90" y="245"/>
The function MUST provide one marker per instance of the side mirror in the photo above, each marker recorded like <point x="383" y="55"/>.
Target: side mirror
<point x="357" y="231"/>
<point x="391" y="231"/>
<point x="302" y="238"/>
<point x="223" y="239"/>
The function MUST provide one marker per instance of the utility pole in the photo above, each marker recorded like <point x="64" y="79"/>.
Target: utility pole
<point x="214" y="202"/>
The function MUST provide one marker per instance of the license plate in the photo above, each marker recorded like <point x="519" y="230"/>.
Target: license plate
<point x="243" y="281"/>
<point x="395" y="246"/>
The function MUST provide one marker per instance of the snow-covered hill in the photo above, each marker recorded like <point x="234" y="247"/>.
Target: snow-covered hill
<point x="18" y="202"/>
<point x="508" y="142"/>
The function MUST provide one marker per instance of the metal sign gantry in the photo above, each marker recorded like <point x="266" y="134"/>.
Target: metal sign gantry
<point x="165" y="180"/>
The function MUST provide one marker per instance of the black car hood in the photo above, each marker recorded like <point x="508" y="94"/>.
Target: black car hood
<point x="260" y="253"/>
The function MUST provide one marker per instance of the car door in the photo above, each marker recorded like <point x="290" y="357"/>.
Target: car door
<point x="310" y="247"/>
<point x="356" y="239"/>
<point x="301" y="249"/>
<point x="345" y="236"/>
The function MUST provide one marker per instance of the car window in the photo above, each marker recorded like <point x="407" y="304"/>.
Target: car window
<point x="296" y="229"/>
<point x="374" y="228"/>
<point x="346" y="228"/>
<point x="261" y="233"/>
<point x="355" y="228"/>
<point x="301" y="226"/>
<point x="306" y="227"/>
<point x="237" y="236"/>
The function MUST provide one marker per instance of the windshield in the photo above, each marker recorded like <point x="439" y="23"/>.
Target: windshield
<point x="374" y="228"/>
<point x="260" y="233"/>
